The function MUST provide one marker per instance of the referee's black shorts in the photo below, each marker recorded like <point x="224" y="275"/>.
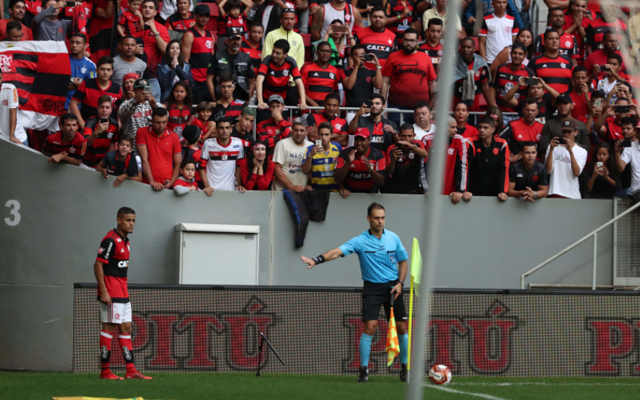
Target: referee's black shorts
<point x="376" y="294"/>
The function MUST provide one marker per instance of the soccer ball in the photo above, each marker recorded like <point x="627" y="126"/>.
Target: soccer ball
<point x="440" y="375"/>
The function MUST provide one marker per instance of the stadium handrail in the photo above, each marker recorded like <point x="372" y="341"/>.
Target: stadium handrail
<point x="576" y="243"/>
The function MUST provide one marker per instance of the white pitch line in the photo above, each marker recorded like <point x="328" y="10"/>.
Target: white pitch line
<point x="447" y="389"/>
<point x="541" y="384"/>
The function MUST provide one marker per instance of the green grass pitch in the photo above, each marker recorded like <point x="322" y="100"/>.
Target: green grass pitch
<point x="31" y="385"/>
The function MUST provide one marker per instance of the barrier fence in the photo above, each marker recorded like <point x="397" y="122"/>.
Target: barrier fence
<point x="317" y="330"/>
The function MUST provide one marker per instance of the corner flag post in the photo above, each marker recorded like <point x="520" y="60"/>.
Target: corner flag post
<point x="416" y="269"/>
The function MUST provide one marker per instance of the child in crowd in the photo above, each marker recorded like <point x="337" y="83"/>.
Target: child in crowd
<point x="123" y="163"/>
<point x="231" y="15"/>
<point x="179" y="105"/>
<point x="130" y="22"/>
<point x="186" y="182"/>
<point x="192" y="149"/>
<point x="201" y="120"/>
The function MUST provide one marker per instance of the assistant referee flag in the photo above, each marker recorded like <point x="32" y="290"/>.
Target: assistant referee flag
<point x="416" y="264"/>
<point x="393" y="344"/>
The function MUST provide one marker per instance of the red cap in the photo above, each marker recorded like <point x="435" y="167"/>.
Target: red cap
<point x="362" y="132"/>
<point x="130" y="75"/>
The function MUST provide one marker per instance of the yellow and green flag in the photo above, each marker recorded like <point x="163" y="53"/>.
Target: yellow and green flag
<point x="393" y="344"/>
<point x="416" y="264"/>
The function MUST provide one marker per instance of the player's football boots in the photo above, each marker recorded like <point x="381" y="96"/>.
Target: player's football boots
<point x="136" y="375"/>
<point x="107" y="374"/>
<point x="363" y="377"/>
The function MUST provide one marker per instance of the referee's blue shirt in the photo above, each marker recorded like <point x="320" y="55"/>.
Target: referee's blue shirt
<point x="378" y="257"/>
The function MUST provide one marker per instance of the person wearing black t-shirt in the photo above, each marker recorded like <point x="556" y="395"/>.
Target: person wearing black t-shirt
<point x="528" y="179"/>
<point x="123" y="163"/>
<point x="244" y="128"/>
<point x="405" y="164"/>
<point x="542" y="93"/>
<point x="361" y="79"/>
<point x="382" y="130"/>
<point x="489" y="162"/>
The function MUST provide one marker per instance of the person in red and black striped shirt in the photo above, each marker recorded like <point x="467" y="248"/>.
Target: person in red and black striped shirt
<point x="130" y="22"/>
<point x="68" y="145"/>
<point x="101" y="133"/>
<point x="508" y="75"/>
<point x="320" y="78"/>
<point x="272" y="130"/>
<point x="360" y="168"/>
<point x="226" y="106"/>
<point x="432" y="45"/>
<point x="274" y="73"/>
<point x="598" y="27"/>
<point x="90" y="90"/>
<point x="568" y="43"/>
<point x="553" y="67"/>
<point x="197" y="48"/>
<point x="253" y="46"/>
<point x="330" y="114"/>
<point x="183" y="19"/>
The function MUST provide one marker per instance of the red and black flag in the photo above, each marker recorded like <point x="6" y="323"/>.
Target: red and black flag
<point x="41" y="71"/>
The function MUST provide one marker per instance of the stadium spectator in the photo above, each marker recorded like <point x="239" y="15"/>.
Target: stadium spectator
<point x="524" y="37"/>
<point x="598" y="58"/>
<point x="601" y="173"/>
<point x="580" y="92"/>
<point x="337" y="42"/>
<point x="508" y="75"/>
<point x="568" y="44"/>
<point x="471" y="77"/>
<point x="66" y="146"/>
<point x="173" y="69"/>
<point x="126" y="61"/>
<point x="605" y="22"/>
<point x="441" y="12"/>
<point x="123" y="163"/>
<point x="432" y="45"/>
<point x="553" y="127"/>
<point x="160" y="152"/>
<point x="564" y="162"/>
<point x="221" y="154"/>
<point x="180" y="106"/>
<point x="422" y="117"/>
<point x="235" y="62"/>
<point x="182" y="20"/>
<point x="286" y="33"/>
<point x="244" y="128"/>
<point x="320" y="161"/>
<point x="405" y="164"/>
<point x="537" y="90"/>
<point x="273" y="78"/>
<point x="497" y="31"/>
<point x="191" y="149"/>
<point x="609" y="124"/>
<point x="202" y="119"/>
<point x="361" y="168"/>
<point x="408" y="76"/>
<point x="576" y="23"/>
<point x="100" y="28"/>
<point x="288" y="157"/>
<point x="13" y="32"/>
<point x="227" y="106"/>
<point x="627" y="160"/>
<point x="612" y="78"/>
<point x="127" y="88"/>
<point x="136" y="113"/>
<point x="329" y="12"/>
<point x="330" y="114"/>
<point x="269" y="13"/>
<point x="495" y="114"/>
<point x="489" y="162"/>
<point x="401" y="15"/>
<point x="320" y="78"/>
<point x="523" y="130"/>
<point x="381" y="130"/>
<point x="84" y="103"/>
<point x="488" y="7"/>
<point x="10" y="126"/>
<point x="595" y="111"/>
<point x="131" y="22"/>
<point x="360" y="80"/>
<point x="82" y="68"/>
<point x="252" y="45"/>
<point x="552" y="66"/>
<point x="456" y="171"/>
<point x="232" y="15"/>
<point x="156" y="38"/>
<point x="461" y="115"/>
<point x="16" y="13"/>
<point x="100" y="132"/>
<point x="186" y="182"/>
<point x="256" y="170"/>
<point x="528" y="177"/>
<point x="198" y="44"/>
<point x="376" y="39"/>
<point x="47" y="26"/>
<point x="275" y="128"/>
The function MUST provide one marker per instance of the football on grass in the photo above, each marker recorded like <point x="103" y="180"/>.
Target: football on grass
<point x="440" y="375"/>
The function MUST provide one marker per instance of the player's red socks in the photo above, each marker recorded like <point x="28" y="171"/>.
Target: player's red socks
<point x="105" y="349"/>
<point x="127" y="347"/>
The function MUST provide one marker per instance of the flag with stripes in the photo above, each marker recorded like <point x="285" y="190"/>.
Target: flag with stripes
<point x="41" y="71"/>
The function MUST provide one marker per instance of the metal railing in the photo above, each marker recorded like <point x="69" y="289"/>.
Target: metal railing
<point x="595" y="249"/>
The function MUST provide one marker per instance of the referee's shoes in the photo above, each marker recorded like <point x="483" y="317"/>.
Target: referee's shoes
<point x="363" y="377"/>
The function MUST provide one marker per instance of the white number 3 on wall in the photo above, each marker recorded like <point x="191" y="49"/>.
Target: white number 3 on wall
<point x="14" y="207"/>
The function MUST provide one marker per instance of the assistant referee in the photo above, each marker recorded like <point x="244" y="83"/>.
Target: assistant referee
<point x="383" y="263"/>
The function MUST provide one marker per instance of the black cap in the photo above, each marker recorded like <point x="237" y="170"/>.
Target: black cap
<point x="564" y="98"/>
<point x="202" y="9"/>
<point x="140" y="83"/>
<point x="191" y="133"/>
<point x="234" y="31"/>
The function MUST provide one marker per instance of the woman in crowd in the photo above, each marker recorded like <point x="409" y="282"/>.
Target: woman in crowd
<point x="337" y="42"/>
<point x="173" y="69"/>
<point x="256" y="171"/>
<point x="496" y="114"/>
<point x="602" y="178"/>
<point x="179" y="104"/>
<point x="526" y="38"/>
<point x="461" y="114"/>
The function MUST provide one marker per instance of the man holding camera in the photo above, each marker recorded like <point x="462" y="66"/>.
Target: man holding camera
<point x="405" y="163"/>
<point x="101" y="133"/>
<point x="360" y="80"/>
<point x="609" y="124"/>
<point x="553" y="126"/>
<point x="564" y="161"/>
<point x="136" y="113"/>
<point x="381" y="130"/>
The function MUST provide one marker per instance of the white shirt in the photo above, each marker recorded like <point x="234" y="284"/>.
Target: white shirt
<point x="632" y="155"/>
<point x="561" y="181"/>
<point x="221" y="162"/>
<point x="9" y="100"/>
<point x="420" y="133"/>
<point x="606" y="87"/>
<point x="288" y="154"/>
<point x="499" y="33"/>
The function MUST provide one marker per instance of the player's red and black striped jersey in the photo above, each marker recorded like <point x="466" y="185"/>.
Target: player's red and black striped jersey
<point x="505" y="79"/>
<point x="556" y="72"/>
<point x="489" y="167"/>
<point x="178" y="118"/>
<point x="319" y="82"/>
<point x="178" y="24"/>
<point x="315" y="119"/>
<point x="276" y="77"/>
<point x="255" y="53"/>
<point x="101" y="143"/>
<point x="359" y="178"/>
<point x="131" y="24"/>
<point x="88" y="94"/>
<point x="271" y="132"/>
<point x="75" y="148"/>
<point x="614" y="130"/>
<point x="114" y="256"/>
<point x="201" y="51"/>
<point x="481" y="75"/>
<point x="518" y="131"/>
<point x="232" y="111"/>
<point x="394" y="10"/>
<point x="598" y="27"/>
<point x="382" y="44"/>
<point x="434" y="53"/>
<point x="568" y="45"/>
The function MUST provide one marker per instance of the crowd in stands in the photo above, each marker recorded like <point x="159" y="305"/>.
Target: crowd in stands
<point x="169" y="94"/>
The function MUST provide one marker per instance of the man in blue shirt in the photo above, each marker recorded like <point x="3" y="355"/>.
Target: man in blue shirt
<point x="383" y="263"/>
<point x="81" y="67"/>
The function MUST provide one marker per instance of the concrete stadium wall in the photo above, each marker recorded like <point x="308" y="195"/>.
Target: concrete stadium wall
<point x="65" y="211"/>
